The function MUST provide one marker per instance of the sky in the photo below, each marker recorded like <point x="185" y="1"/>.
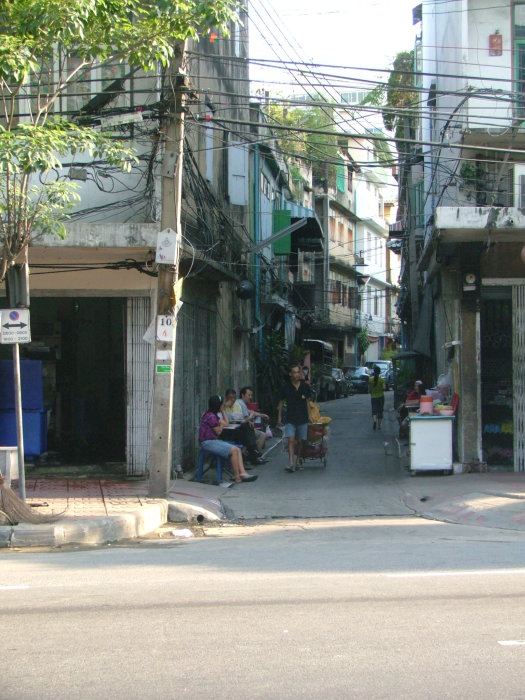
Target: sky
<point x="360" y="33"/>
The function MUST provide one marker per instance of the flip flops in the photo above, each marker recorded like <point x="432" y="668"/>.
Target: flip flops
<point x="248" y="477"/>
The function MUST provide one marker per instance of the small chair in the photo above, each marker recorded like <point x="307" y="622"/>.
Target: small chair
<point x="204" y="454"/>
<point x="220" y="463"/>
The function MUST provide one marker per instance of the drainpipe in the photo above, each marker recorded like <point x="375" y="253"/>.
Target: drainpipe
<point x="356" y="344"/>
<point x="326" y="225"/>
<point x="257" y="237"/>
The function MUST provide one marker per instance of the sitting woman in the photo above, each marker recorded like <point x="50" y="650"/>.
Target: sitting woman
<point x="417" y="392"/>
<point x="211" y="425"/>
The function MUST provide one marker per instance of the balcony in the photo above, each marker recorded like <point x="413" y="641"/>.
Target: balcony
<point x="473" y="224"/>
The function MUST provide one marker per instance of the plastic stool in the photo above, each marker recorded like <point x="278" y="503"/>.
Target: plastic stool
<point x="203" y="454"/>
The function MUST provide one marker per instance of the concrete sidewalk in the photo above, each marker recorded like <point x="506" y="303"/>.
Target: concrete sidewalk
<point x="100" y="511"/>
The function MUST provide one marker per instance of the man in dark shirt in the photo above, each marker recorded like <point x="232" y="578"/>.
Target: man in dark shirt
<point x="296" y="394"/>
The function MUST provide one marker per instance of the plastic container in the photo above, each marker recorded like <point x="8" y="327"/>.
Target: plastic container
<point x="426" y="405"/>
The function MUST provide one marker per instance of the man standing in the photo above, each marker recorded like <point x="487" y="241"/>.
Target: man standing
<point x="296" y="394"/>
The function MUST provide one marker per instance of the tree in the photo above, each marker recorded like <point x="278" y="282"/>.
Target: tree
<point x="363" y="342"/>
<point x="47" y="47"/>
<point x="397" y="97"/>
<point x="321" y="149"/>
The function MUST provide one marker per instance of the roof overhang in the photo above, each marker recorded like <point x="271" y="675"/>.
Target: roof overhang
<point x="309" y="236"/>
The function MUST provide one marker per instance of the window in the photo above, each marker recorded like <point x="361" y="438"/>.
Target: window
<point x="519" y="186"/>
<point x="418" y="204"/>
<point x="350" y="178"/>
<point x="350" y="239"/>
<point x="236" y="38"/>
<point x="519" y="57"/>
<point x="334" y="292"/>
<point x="340" y="178"/>
<point x="332" y="229"/>
<point x="341" y="233"/>
<point x="265" y="186"/>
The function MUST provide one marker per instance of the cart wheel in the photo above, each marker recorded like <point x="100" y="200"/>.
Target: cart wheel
<point x="412" y="472"/>
<point x="324" y="461"/>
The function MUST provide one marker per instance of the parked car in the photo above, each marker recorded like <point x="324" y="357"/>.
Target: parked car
<point x="359" y="380"/>
<point x="342" y="388"/>
<point x="387" y="371"/>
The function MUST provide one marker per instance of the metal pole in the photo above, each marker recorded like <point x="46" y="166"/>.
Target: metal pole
<point x="19" y="422"/>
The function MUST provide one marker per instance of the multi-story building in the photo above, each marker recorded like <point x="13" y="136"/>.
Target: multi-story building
<point x="462" y="225"/>
<point x="93" y="294"/>
<point x="356" y="279"/>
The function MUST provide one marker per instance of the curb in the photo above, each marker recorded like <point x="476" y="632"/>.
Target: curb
<point x="191" y="509"/>
<point x="87" y="530"/>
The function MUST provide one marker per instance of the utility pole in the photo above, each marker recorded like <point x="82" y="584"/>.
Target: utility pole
<point x="165" y="343"/>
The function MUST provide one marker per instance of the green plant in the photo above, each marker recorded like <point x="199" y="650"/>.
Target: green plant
<point x="388" y="354"/>
<point x="272" y="364"/>
<point x="363" y="341"/>
<point x="468" y="171"/>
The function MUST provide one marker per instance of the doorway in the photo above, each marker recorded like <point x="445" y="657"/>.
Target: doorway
<point x="81" y="343"/>
<point x="497" y="419"/>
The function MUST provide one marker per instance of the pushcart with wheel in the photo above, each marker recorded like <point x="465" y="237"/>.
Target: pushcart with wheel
<point x="315" y="447"/>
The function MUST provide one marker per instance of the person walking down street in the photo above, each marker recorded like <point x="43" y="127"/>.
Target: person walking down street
<point x="296" y="394"/>
<point x="210" y="428"/>
<point x="377" y="395"/>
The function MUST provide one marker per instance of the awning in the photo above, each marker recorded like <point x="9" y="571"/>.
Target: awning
<point x="309" y="236"/>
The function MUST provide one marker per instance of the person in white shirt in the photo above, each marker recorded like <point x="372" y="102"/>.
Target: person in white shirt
<point x="250" y="415"/>
<point x="245" y="433"/>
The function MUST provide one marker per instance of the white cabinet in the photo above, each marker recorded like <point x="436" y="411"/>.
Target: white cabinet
<point x="431" y="443"/>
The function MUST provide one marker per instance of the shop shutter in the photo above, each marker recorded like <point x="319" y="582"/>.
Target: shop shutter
<point x="518" y="370"/>
<point x="139" y="383"/>
<point x="195" y="376"/>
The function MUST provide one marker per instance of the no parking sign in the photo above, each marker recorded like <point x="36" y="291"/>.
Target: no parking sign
<point x="14" y="326"/>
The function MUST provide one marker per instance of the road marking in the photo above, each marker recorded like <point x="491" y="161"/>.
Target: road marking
<point x="13" y="588"/>
<point x="480" y="572"/>
<point x="512" y="643"/>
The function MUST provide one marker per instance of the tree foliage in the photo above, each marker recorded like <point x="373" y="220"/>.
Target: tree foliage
<point x="397" y="97"/>
<point x="271" y="371"/>
<point x="321" y="149"/>
<point x="48" y="46"/>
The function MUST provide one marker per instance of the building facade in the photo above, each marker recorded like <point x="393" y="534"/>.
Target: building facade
<point x="462" y="222"/>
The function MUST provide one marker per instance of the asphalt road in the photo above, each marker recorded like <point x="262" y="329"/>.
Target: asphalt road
<point x="367" y="608"/>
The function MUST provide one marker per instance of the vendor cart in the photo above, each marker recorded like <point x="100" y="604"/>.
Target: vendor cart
<point x="315" y="447"/>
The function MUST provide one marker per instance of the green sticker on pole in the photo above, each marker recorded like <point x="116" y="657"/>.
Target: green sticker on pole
<point x="163" y="369"/>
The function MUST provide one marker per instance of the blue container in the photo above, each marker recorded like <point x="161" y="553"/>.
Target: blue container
<point x="31" y="381"/>
<point x="35" y="431"/>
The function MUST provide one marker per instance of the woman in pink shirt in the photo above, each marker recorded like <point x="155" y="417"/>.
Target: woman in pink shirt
<point x="211" y="425"/>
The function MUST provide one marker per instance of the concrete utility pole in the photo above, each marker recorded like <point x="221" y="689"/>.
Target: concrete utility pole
<point x="163" y="381"/>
